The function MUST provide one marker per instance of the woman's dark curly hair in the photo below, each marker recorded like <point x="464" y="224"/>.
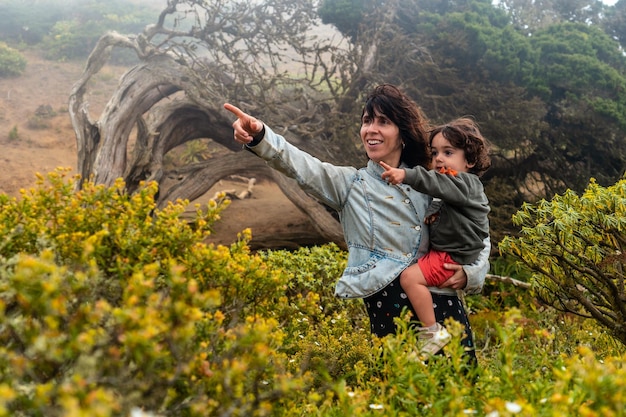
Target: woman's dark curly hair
<point x="463" y="133"/>
<point x="388" y="100"/>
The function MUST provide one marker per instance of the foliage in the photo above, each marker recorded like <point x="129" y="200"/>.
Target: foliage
<point x="195" y="151"/>
<point x="69" y="29"/>
<point x="76" y="37"/>
<point x="580" y="75"/>
<point x="109" y="305"/>
<point x="614" y="22"/>
<point x="574" y="247"/>
<point x="528" y="16"/>
<point x="37" y="123"/>
<point x="14" y="134"/>
<point x="12" y="63"/>
<point x="40" y="120"/>
<point x="345" y="15"/>
<point x="29" y="20"/>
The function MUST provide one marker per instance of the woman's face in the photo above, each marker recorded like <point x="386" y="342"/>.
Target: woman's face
<point x="381" y="139"/>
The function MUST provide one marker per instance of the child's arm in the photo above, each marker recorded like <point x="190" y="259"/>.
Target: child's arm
<point x="445" y="184"/>
<point x="394" y="176"/>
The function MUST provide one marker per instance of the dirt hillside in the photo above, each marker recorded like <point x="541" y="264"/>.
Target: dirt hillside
<point x="36" y="136"/>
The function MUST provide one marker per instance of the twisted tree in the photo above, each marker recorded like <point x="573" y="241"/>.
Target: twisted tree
<point x="263" y="57"/>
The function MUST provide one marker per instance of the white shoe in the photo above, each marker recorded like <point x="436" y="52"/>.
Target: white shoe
<point x="432" y="341"/>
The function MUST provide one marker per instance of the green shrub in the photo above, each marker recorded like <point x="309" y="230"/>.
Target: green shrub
<point x="12" y="63"/>
<point x="574" y="248"/>
<point x="38" y="123"/>
<point x="108" y="304"/>
<point x="71" y="39"/>
<point x="13" y="134"/>
<point x="102" y="309"/>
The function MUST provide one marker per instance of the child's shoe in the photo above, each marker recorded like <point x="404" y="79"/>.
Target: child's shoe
<point x="432" y="341"/>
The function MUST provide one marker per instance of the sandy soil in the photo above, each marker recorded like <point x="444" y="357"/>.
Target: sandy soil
<point x="45" y="143"/>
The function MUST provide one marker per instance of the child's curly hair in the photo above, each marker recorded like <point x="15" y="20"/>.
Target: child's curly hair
<point x="463" y="133"/>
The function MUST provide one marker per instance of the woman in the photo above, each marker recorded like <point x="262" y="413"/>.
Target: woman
<point x="382" y="224"/>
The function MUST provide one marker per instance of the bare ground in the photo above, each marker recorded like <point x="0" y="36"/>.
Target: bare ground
<point x="41" y="144"/>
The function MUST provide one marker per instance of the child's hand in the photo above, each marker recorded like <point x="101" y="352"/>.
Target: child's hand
<point x="392" y="175"/>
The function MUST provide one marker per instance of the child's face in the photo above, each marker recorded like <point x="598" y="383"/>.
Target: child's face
<point x="446" y="156"/>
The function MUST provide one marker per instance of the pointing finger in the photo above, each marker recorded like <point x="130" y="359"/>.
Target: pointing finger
<point x="235" y="110"/>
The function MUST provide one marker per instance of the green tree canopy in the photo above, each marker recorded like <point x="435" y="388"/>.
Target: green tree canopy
<point x="345" y="15"/>
<point x="615" y="22"/>
<point x="581" y="76"/>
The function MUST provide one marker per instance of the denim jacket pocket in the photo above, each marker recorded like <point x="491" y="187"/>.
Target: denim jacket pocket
<point x="363" y="280"/>
<point x="367" y="266"/>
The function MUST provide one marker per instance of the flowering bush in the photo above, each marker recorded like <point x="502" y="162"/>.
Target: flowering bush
<point x="110" y="307"/>
<point x="574" y="247"/>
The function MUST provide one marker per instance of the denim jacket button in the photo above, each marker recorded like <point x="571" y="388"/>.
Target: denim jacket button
<point x="418" y="228"/>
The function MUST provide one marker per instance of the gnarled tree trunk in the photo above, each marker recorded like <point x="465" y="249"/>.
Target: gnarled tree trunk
<point x="103" y="146"/>
<point x="200" y="55"/>
<point x="172" y="97"/>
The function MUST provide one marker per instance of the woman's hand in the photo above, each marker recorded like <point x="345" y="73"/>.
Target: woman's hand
<point x="245" y="126"/>
<point x="458" y="281"/>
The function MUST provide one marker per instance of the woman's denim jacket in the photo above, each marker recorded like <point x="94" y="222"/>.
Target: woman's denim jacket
<point x="382" y="224"/>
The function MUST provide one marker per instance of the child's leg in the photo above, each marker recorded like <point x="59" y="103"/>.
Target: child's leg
<point x="414" y="285"/>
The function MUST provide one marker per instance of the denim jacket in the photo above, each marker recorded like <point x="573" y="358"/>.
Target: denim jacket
<point x="382" y="224"/>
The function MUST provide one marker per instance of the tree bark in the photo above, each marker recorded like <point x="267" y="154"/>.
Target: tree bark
<point x="175" y="95"/>
<point x="321" y="218"/>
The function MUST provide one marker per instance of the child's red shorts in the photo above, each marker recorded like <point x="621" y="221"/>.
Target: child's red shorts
<point x="432" y="268"/>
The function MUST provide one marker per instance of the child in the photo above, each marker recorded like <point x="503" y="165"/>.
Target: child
<point x="457" y="217"/>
